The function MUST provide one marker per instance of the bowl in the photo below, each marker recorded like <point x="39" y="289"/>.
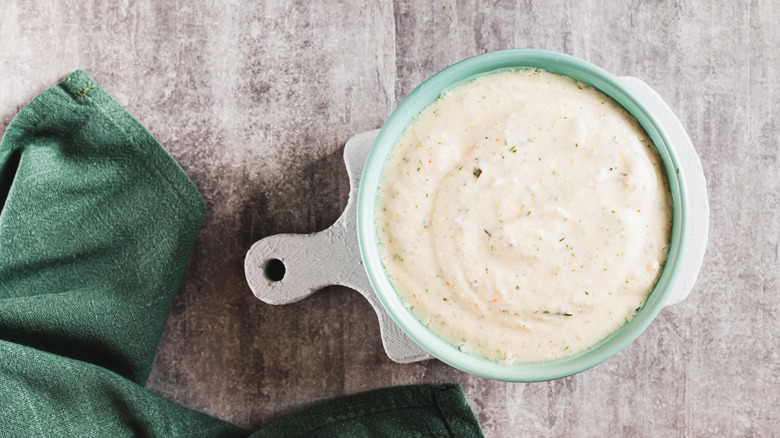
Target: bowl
<point x="386" y="139"/>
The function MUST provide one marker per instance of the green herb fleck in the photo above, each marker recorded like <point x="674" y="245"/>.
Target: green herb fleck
<point x="488" y="233"/>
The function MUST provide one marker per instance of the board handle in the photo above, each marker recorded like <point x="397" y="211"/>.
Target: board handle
<point x="286" y="268"/>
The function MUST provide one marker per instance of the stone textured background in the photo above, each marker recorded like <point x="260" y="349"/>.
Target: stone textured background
<point x="256" y="99"/>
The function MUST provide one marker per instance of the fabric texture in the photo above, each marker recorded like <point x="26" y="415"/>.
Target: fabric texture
<point x="407" y="411"/>
<point x="97" y="223"/>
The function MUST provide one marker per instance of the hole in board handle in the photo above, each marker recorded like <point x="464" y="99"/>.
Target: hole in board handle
<point x="274" y="270"/>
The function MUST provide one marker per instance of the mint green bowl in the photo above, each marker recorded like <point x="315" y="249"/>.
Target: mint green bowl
<point x="395" y="126"/>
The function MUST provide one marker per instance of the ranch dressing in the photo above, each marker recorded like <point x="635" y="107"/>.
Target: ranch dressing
<point x="523" y="216"/>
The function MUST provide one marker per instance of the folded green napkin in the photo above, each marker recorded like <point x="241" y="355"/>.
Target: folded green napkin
<point x="97" y="222"/>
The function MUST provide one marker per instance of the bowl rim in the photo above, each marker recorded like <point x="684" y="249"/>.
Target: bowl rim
<point x="425" y="94"/>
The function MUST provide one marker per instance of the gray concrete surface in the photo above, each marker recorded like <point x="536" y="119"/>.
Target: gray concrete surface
<point x="256" y="99"/>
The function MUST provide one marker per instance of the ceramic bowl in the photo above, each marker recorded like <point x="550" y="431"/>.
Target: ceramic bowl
<point x="395" y="125"/>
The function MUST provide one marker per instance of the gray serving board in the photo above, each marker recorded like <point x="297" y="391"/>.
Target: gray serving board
<point x="332" y="256"/>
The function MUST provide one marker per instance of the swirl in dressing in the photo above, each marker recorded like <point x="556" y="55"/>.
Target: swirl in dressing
<point x="524" y="216"/>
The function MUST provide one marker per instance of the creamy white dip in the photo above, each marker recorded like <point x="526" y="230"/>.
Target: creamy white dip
<point x="523" y="216"/>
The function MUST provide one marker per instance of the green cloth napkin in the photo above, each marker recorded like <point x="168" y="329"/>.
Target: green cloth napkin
<point x="97" y="223"/>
